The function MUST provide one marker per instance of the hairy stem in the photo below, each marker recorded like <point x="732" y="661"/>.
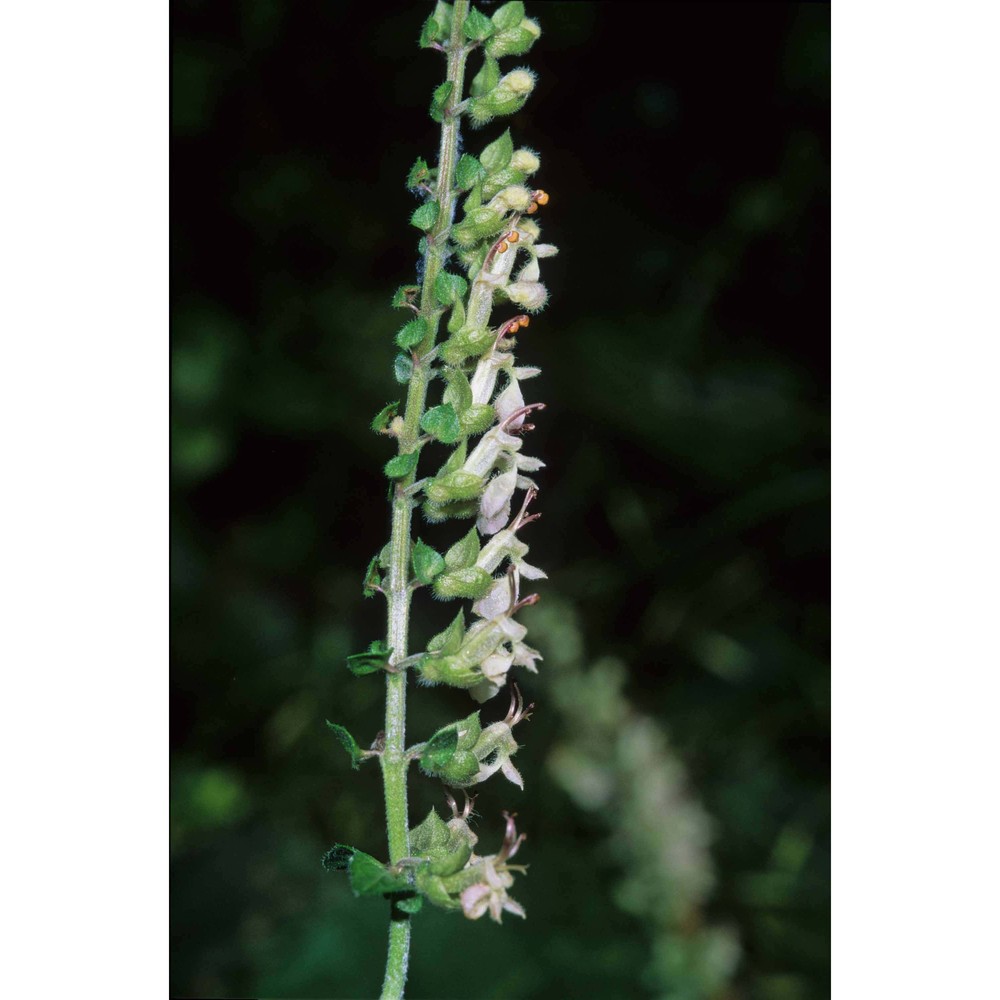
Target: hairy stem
<point x="394" y="761"/>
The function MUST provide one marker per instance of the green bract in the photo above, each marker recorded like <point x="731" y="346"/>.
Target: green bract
<point x="425" y="216"/>
<point x="427" y="563"/>
<point x="468" y="171"/>
<point x="349" y="743"/>
<point x="440" y="99"/>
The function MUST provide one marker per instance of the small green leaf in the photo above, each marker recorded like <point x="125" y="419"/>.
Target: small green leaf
<point x="402" y="368"/>
<point x="464" y="552"/>
<point x="425" y="216"/>
<point x="419" y="173"/>
<point x="469" y="731"/>
<point x="439" y="99"/>
<point x="458" y="391"/>
<point x="440" y="748"/>
<point x="457" y="318"/>
<point x="427" y="562"/>
<point x="369" y="877"/>
<point x="402" y="465"/>
<point x="412" y="333"/>
<point x="449" y="287"/>
<point x="477" y="418"/>
<point x="455" y="461"/>
<point x="410" y="904"/>
<point x="430" y="835"/>
<point x="442" y="423"/>
<point x="384" y="417"/>
<point x="430" y="33"/>
<point x="372" y="580"/>
<point x="496" y="156"/>
<point x="338" y="858"/>
<point x="349" y="743"/>
<point x="404" y="296"/>
<point x="487" y="77"/>
<point x="470" y="584"/>
<point x="448" y="642"/>
<point x="510" y="15"/>
<point x="437" y="27"/>
<point x="477" y="26"/>
<point x="475" y="198"/>
<point x="467" y="172"/>
<point x="375" y="658"/>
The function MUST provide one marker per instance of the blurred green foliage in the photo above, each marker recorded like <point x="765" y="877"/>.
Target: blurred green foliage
<point x="685" y="363"/>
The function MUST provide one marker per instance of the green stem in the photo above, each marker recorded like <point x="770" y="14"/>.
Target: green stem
<point x="394" y="761"/>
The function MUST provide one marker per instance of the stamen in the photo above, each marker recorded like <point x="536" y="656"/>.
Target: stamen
<point x="512" y="840"/>
<point x="510" y="326"/>
<point x="470" y="801"/>
<point x="523" y="411"/>
<point x="523" y="517"/>
<point x="524" y="603"/>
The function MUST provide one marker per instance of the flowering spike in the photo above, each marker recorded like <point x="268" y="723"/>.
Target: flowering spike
<point x="484" y="254"/>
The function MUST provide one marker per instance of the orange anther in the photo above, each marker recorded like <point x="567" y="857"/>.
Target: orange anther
<point x="502" y="247"/>
<point x="524" y="321"/>
<point x="513" y="236"/>
<point x="514" y="327"/>
<point x="541" y="197"/>
<point x="532" y="208"/>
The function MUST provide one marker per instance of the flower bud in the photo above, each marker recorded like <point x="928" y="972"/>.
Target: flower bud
<point x="448" y="846"/>
<point x="519" y="81"/>
<point x="526" y="161"/>
<point x="479" y="224"/>
<point x="469" y="583"/>
<point x="501" y="179"/>
<point x="506" y="98"/>
<point x="437" y="512"/>
<point x="457" y="485"/>
<point x="514" y="41"/>
<point x="468" y="342"/>
<point x="515" y="198"/>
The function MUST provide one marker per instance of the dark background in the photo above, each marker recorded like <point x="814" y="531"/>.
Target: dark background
<point x="677" y="766"/>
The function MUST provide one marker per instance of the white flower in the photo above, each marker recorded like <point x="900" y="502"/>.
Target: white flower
<point x="491" y="894"/>
<point x="532" y="295"/>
